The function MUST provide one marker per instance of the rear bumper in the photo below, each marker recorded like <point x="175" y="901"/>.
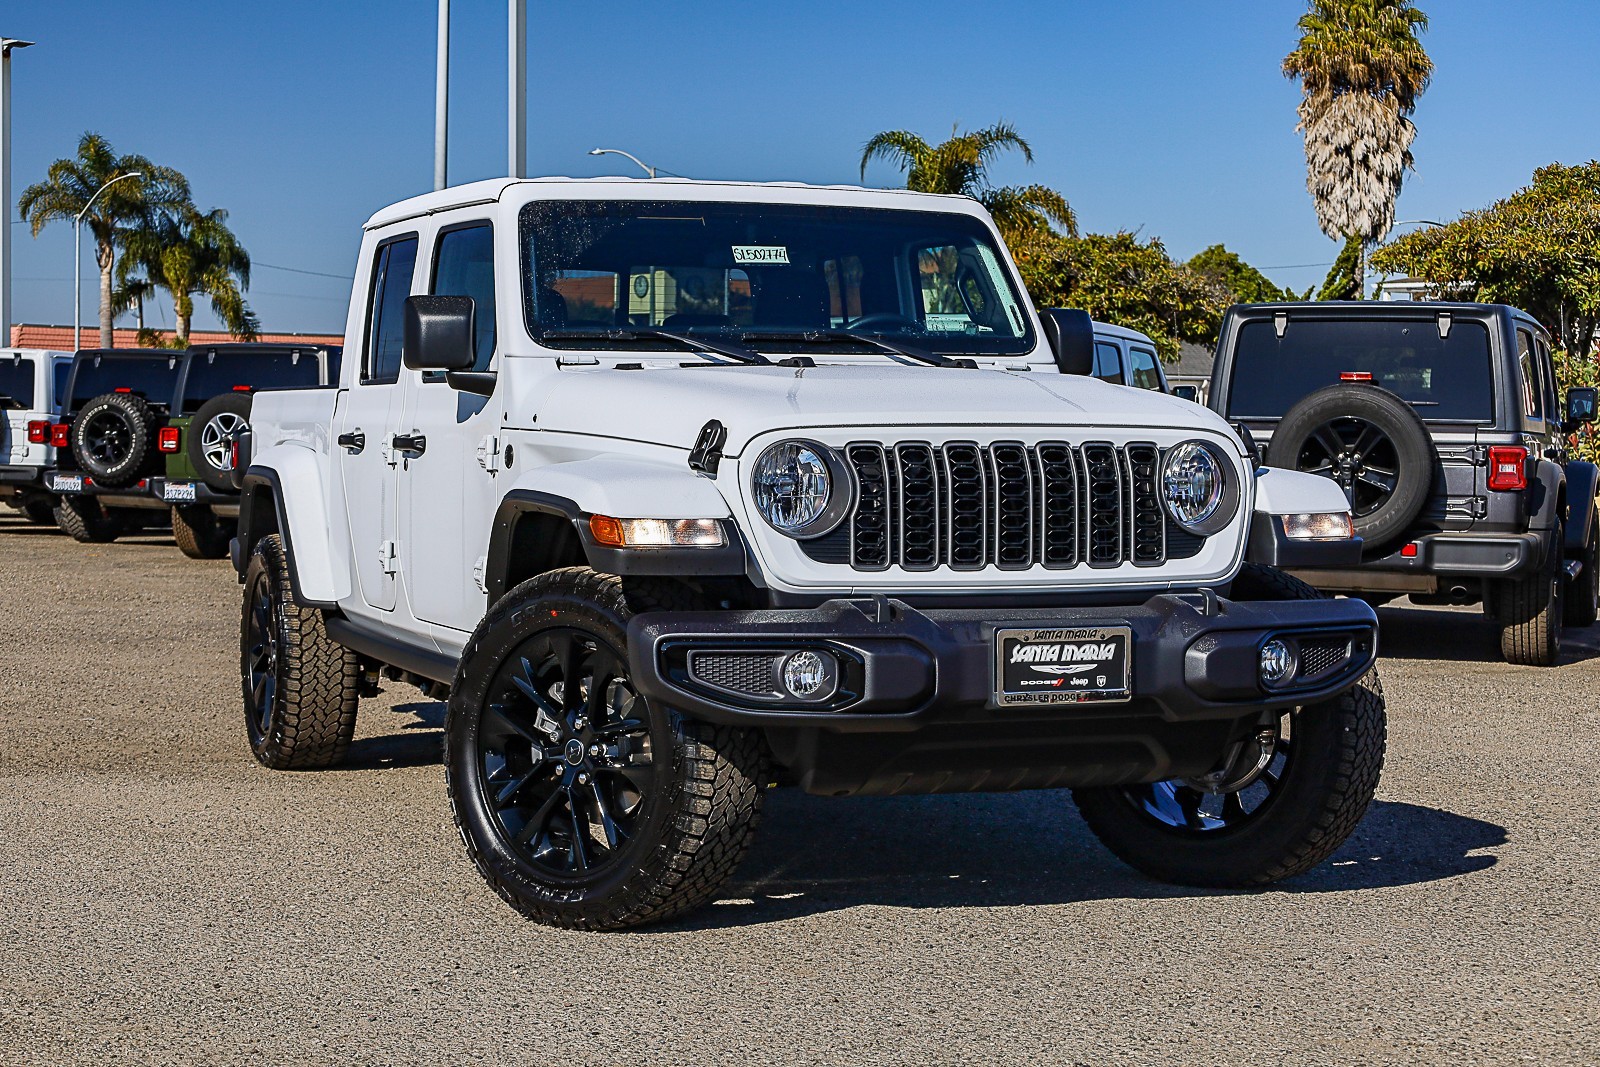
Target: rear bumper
<point x="154" y="493"/>
<point x="1446" y="554"/>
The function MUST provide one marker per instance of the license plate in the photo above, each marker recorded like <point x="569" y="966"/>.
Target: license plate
<point x="178" y="491"/>
<point x="66" y="483"/>
<point x="1063" y="666"/>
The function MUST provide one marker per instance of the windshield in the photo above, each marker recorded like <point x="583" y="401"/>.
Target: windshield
<point x="1445" y="379"/>
<point x="766" y="274"/>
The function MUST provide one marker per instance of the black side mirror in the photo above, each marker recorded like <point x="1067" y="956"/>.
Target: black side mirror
<point x="1580" y="407"/>
<point x="440" y="333"/>
<point x="1070" y="333"/>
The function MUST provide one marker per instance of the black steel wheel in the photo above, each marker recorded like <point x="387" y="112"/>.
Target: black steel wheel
<point x="581" y="803"/>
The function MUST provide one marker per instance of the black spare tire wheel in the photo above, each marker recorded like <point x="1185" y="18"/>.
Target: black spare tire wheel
<point x="1372" y="444"/>
<point x="210" y="438"/>
<point x="114" y="439"/>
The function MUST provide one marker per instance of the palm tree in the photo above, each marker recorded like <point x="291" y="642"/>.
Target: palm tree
<point x="1361" y="69"/>
<point x="193" y="253"/>
<point x="70" y="184"/>
<point x="960" y="165"/>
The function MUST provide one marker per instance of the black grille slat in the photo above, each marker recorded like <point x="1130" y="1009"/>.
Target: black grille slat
<point x="967" y="506"/>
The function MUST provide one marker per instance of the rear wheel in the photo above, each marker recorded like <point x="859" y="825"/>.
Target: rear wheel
<point x="1530" y="609"/>
<point x="199" y="533"/>
<point x="582" y="804"/>
<point x="85" y="520"/>
<point x="1281" y="801"/>
<point x="38" y="511"/>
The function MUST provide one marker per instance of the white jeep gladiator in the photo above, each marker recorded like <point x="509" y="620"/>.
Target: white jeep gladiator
<point x="32" y="384"/>
<point x="681" y="490"/>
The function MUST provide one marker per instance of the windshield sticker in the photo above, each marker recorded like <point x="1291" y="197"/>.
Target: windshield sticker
<point x="760" y="254"/>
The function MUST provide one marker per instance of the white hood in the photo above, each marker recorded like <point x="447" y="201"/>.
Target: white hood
<point x="668" y="406"/>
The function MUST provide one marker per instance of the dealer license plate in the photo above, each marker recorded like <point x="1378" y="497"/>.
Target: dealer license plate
<point x="1063" y="665"/>
<point x="66" y="483"/>
<point x="178" y="491"/>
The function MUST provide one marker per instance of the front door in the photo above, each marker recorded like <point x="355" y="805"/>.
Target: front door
<point x="368" y="416"/>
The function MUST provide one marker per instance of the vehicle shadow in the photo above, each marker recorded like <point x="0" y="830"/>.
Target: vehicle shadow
<point x="1409" y="632"/>
<point x="416" y="743"/>
<point x="1025" y="849"/>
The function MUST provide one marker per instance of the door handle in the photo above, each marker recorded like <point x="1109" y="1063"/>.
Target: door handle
<point x="413" y="443"/>
<point x="353" y="442"/>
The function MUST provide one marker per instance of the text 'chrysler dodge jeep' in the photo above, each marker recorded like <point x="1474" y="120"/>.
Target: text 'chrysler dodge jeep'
<point x="684" y="489"/>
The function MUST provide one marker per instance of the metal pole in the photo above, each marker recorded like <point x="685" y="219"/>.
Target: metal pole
<point x="6" y="45"/>
<point x="77" y="257"/>
<point x="517" y="58"/>
<point x="441" y="101"/>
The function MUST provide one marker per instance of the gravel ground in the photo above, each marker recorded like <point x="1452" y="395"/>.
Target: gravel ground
<point x="163" y="899"/>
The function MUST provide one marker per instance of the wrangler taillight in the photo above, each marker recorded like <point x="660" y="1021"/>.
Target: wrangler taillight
<point x="169" y="439"/>
<point x="39" y="432"/>
<point x="61" y="434"/>
<point x="1508" y="469"/>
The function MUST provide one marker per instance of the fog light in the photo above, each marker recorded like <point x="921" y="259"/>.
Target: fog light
<point x="809" y="675"/>
<point x="1277" y="662"/>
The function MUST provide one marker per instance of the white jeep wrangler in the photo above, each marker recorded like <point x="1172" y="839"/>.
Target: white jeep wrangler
<point x="32" y="383"/>
<point x="684" y="489"/>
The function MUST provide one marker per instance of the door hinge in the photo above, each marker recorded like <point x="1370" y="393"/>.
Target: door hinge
<point x="391" y="455"/>
<point x="389" y="556"/>
<point x="479" y="571"/>
<point x="1479" y="454"/>
<point x="489" y="453"/>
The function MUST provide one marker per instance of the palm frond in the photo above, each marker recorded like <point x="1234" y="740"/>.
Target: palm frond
<point x="901" y="147"/>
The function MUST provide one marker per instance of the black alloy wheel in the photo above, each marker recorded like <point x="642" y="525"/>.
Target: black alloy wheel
<point x="262" y="647"/>
<point x="1359" y="456"/>
<point x="565" y="755"/>
<point x="1230" y="797"/>
<point x="106" y="438"/>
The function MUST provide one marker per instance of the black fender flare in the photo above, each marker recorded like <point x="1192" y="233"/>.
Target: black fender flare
<point x="1583" y="479"/>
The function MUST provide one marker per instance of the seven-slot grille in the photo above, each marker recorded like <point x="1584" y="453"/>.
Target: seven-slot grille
<point x="967" y="506"/>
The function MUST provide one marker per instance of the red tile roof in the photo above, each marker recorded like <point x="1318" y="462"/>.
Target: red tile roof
<point x="59" y="338"/>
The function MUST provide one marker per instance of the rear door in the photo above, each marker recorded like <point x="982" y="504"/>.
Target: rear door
<point x="21" y="394"/>
<point x="367" y="418"/>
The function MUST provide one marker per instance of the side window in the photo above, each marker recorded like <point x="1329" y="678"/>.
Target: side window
<point x="463" y="265"/>
<point x="391" y="284"/>
<point x="1552" y="393"/>
<point x="1107" y="362"/>
<point x="1143" y="370"/>
<point x="16" y="383"/>
<point x="1532" y="389"/>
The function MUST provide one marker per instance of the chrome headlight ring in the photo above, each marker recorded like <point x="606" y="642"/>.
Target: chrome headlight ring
<point x="801" y="488"/>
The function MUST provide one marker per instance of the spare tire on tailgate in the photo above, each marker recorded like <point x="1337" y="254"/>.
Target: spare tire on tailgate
<point x="1372" y="443"/>
<point x="210" y="444"/>
<point x="114" y="439"/>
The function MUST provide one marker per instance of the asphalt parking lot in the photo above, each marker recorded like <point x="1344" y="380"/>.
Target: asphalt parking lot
<point x="163" y="899"/>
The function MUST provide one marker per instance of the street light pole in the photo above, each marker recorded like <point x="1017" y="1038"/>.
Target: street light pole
<point x="441" y="101"/>
<point x="6" y="45"/>
<point x="647" y="168"/>
<point x="517" y="75"/>
<point x="77" y="258"/>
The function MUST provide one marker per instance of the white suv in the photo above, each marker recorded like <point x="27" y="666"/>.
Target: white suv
<point x="680" y="489"/>
<point x="32" y="382"/>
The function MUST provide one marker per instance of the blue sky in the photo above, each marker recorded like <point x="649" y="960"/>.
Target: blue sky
<point x="1167" y="117"/>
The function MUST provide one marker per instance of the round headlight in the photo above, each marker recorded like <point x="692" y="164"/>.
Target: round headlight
<point x="801" y="488"/>
<point x="1196" y="488"/>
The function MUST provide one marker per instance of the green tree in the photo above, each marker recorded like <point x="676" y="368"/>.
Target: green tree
<point x="1361" y="68"/>
<point x="960" y="165"/>
<point x="1344" y="278"/>
<point x="1118" y="278"/>
<point x="193" y="253"/>
<point x="70" y="185"/>
<point x="1244" y="284"/>
<point x="1538" y="249"/>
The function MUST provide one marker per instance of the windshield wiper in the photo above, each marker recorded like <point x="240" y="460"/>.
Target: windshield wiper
<point x="697" y="344"/>
<point x="932" y="359"/>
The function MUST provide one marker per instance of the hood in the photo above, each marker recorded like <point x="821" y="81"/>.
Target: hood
<point x="669" y="405"/>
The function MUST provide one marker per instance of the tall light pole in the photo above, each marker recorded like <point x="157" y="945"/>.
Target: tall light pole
<point x="441" y="101"/>
<point x="647" y="168"/>
<point x="77" y="257"/>
<point x="517" y="75"/>
<point x="6" y="45"/>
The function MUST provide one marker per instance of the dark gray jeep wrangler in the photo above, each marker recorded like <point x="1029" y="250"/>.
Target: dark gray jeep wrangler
<point x="1443" y="425"/>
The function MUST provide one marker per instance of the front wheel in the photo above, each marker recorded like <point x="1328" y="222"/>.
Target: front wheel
<point x="1583" y="592"/>
<point x="582" y="804"/>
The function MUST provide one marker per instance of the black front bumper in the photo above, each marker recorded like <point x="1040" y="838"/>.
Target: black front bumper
<point x="915" y="708"/>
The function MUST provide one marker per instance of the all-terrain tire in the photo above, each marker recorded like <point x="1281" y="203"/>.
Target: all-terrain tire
<point x="700" y="814"/>
<point x="114" y="439"/>
<point x="1582" y="606"/>
<point x="200" y="533"/>
<point x="1337" y="757"/>
<point x="37" y="511"/>
<point x="299" y="685"/>
<point x="1530" y="610"/>
<point x="206" y="439"/>
<point x="86" y="521"/>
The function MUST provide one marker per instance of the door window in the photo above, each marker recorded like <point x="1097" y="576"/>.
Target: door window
<point x="393" y="265"/>
<point x="1144" y="371"/>
<point x="1532" y="389"/>
<point x="463" y="265"/>
<point x="1107" y="362"/>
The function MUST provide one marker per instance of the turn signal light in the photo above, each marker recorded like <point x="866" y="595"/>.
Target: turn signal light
<point x="39" y="432"/>
<point x="1508" y="470"/>
<point x="656" y="533"/>
<point x="169" y="439"/>
<point x="61" y="435"/>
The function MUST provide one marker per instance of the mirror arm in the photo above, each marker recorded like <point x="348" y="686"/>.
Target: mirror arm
<point x="479" y="382"/>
